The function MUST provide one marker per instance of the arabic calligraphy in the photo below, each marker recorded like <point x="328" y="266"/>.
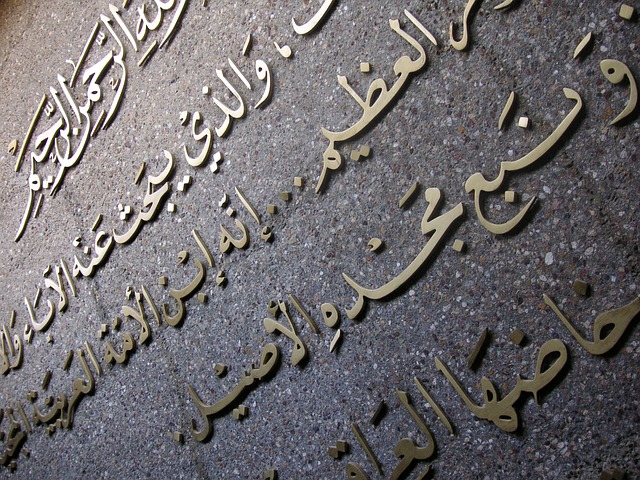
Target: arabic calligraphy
<point x="269" y="360"/>
<point x="84" y="103"/>
<point x="379" y="96"/>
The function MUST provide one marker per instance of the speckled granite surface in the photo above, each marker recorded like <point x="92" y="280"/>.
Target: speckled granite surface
<point x="439" y="130"/>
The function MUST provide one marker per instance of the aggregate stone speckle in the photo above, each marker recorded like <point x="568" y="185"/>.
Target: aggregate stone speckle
<point x="441" y="129"/>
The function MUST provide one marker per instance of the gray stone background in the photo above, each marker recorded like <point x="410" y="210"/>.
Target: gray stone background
<point x="442" y="129"/>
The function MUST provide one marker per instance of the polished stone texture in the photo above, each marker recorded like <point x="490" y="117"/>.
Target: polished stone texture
<point x="440" y="129"/>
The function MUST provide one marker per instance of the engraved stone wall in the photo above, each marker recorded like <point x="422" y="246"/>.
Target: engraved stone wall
<point x="328" y="239"/>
